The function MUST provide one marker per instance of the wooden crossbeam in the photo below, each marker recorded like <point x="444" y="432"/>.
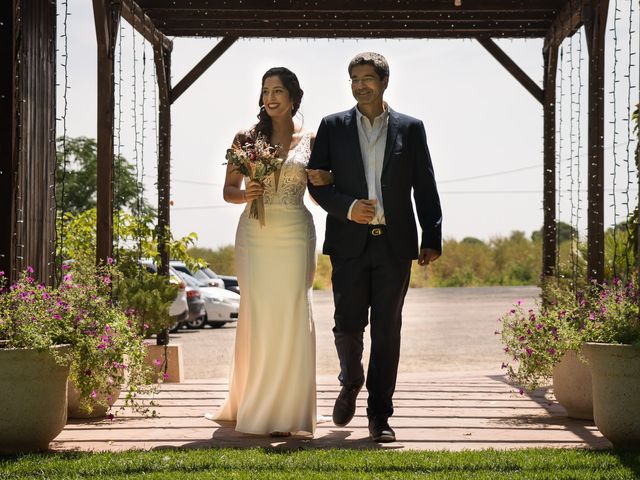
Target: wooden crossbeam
<point x="566" y="23"/>
<point x="162" y="16"/>
<point x="197" y="24"/>
<point x="339" y="33"/>
<point x="201" y="67"/>
<point x="136" y="17"/>
<point x="512" y="68"/>
<point x="407" y="6"/>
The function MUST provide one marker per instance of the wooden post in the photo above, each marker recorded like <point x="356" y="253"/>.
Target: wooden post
<point x="107" y="17"/>
<point x="7" y="132"/>
<point x="162" y="59"/>
<point x="594" y="14"/>
<point x="549" y="238"/>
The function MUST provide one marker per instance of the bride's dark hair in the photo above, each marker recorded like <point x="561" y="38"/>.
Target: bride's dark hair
<point x="290" y="82"/>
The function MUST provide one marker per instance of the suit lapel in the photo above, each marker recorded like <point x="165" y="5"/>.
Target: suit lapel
<point x="392" y="133"/>
<point x="354" y="142"/>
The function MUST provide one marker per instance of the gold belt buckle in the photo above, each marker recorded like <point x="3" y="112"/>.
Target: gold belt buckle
<point x="376" y="231"/>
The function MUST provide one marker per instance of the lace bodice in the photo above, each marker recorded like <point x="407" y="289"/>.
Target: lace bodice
<point x="292" y="181"/>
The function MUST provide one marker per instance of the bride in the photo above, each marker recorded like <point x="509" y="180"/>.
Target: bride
<point x="272" y="387"/>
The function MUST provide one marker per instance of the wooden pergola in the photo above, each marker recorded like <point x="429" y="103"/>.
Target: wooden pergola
<point x="482" y="20"/>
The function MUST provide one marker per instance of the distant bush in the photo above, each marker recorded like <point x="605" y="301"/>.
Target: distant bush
<point x="471" y="262"/>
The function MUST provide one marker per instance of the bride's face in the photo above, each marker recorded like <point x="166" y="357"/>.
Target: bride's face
<point x="275" y="97"/>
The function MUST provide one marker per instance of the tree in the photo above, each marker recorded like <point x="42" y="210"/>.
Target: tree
<point x="76" y="184"/>
<point x="565" y="232"/>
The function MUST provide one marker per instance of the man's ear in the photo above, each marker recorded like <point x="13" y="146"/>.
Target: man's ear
<point x="385" y="82"/>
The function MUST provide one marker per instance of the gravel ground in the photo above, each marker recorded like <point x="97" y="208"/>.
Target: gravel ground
<point x="444" y="329"/>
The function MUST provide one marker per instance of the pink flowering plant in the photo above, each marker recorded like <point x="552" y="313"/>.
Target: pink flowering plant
<point x="536" y="339"/>
<point x="105" y="349"/>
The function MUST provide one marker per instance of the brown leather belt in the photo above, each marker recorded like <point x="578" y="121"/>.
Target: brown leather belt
<point x="376" y="230"/>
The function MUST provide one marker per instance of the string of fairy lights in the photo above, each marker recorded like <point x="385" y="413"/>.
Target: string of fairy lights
<point x="571" y="152"/>
<point x="63" y="156"/>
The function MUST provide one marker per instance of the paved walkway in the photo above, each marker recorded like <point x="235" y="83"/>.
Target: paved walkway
<point x="433" y="412"/>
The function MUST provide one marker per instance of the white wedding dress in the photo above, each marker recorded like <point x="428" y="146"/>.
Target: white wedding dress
<point x="272" y="387"/>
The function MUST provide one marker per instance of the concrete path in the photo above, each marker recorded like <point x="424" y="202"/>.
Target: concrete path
<point x="451" y="393"/>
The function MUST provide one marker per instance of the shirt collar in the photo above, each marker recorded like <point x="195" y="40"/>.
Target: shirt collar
<point x="383" y="116"/>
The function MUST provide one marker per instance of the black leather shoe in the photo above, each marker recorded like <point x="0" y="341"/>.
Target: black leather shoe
<point x="345" y="407"/>
<point x="380" y="430"/>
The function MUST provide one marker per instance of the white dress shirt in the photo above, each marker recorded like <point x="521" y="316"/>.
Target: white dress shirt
<point x="373" y="140"/>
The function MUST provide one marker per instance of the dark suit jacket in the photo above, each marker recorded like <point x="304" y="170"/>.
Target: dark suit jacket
<point x="406" y="167"/>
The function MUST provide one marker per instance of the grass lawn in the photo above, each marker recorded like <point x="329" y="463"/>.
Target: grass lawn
<point x="323" y="464"/>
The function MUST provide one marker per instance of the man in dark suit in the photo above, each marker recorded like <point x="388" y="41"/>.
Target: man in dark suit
<point x="378" y="157"/>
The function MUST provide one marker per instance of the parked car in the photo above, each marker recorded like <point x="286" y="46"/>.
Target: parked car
<point x="213" y="281"/>
<point x="179" y="309"/>
<point x="222" y="306"/>
<point x="195" y="315"/>
<point x="230" y="282"/>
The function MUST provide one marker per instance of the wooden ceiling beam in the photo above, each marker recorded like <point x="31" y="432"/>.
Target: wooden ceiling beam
<point x="137" y="18"/>
<point x="358" y="33"/>
<point x="165" y="15"/>
<point x="375" y="25"/>
<point x="352" y="5"/>
<point x="566" y="23"/>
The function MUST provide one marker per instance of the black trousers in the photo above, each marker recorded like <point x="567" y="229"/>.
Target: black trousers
<point x="375" y="280"/>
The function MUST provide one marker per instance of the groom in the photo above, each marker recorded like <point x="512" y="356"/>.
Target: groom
<point x="377" y="156"/>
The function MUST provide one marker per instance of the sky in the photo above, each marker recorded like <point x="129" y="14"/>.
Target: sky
<point x="484" y="129"/>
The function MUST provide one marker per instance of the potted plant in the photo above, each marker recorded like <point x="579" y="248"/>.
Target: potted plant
<point x="102" y="350"/>
<point x="546" y="343"/>
<point x="611" y="318"/>
<point x="35" y="356"/>
<point x="107" y="345"/>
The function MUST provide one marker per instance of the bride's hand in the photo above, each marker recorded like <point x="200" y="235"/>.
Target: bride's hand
<point x="253" y="190"/>
<point x="319" y="178"/>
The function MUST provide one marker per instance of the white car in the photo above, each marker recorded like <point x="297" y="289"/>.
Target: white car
<point x="179" y="309"/>
<point x="214" y="281"/>
<point x="222" y="305"/>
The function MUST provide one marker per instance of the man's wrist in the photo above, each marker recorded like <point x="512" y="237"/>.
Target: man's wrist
<point x="351" y="209"/>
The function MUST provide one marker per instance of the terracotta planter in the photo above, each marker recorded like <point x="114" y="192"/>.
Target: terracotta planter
<point x="33" y="402"/>
<point x="99" y="410"/>
<point x="572" y="386"/>
<point x="615" y="371"/>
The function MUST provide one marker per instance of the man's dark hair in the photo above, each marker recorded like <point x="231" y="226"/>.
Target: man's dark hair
<point x="377" y="61"/>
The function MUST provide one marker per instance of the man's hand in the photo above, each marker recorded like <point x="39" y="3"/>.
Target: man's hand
<point x="427" y="255"/>
<point x="363" y="211"/>
<point x="319" y="178"/>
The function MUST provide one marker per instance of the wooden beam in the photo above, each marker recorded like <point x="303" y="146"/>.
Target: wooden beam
<point x="136" y="17"/>
<point x="566" y="23"/>
<point x="373" y="24"/>
<point x="107" y="18"/>
<point x="363" y="33"/>
<point x="162" y="60"/>
<point x="512" y="68"/>
<point x="406" y="6"/>
<point x="594" y="14"/>
<point x="164" y="16"/>
<point x="550" y="223"/>
<point x="201" y="67"/>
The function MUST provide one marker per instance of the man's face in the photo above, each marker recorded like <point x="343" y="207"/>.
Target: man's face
<point x="366" y="86"/>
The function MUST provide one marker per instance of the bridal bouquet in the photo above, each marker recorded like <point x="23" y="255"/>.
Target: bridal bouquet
<point x="256" y="161"/>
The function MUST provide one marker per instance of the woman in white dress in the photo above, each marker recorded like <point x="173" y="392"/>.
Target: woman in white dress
<point x="272" y="389"/>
